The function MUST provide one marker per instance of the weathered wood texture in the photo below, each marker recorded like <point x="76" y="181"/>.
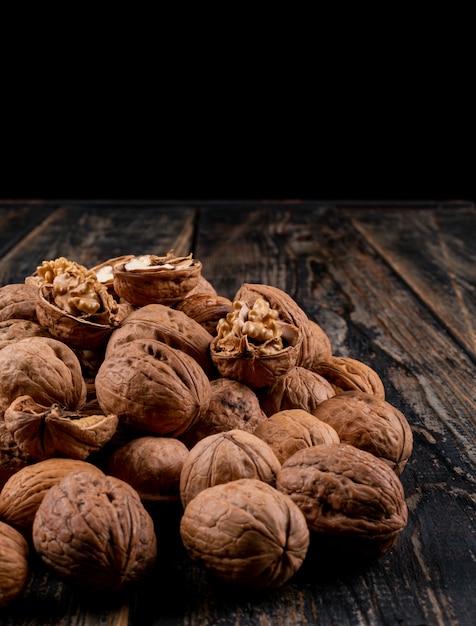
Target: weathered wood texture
<point x="394" y="288"/>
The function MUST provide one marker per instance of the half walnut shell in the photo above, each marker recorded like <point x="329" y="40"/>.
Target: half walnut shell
<point x="149" y="278"/>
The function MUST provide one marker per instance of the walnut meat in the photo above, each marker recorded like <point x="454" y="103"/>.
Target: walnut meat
<point x="44" y="368"/>
<point x="246" y="533"/>
<point x="369" y="423"/>
<point x="225" y="457"/>
<point x="152" y="465"/>
<point x="352" y="500"/>
<point x="23" y="492"/>
<point x="93" y="531"/>
<point x="152" y="387"/>
<point x="288" y="431"/>
<point x="14" y="565"/>
<point x="43" y="432"/>
<point x="232" y="405"/>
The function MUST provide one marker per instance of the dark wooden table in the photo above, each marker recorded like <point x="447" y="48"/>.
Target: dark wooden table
<point x="393" y="286"/>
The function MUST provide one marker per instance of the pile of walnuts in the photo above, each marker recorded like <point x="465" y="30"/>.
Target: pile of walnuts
<point x="133" y="383"/>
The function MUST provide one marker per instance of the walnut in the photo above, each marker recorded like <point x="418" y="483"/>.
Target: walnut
<point x="352" y="500"/>
<point x="149" y="278"/>
<point x="151" y="465"/>
<point x="152" y="387"/>
<point x="162" y="323"/>
<point x="42" y="432"/>
<point x="299" y="388"/>
<point x="290" y="430"/>
<point x="44" y="368"/>
<point x="346" y="374"/>
<point x="18" y="301"/>
<point x="14" y="565"/>
<point x="253" y="345"/>
<point x="12" y="458"/>
<point x="227" y="456"/>
<point x="315" y="343"/>
<point x="23" y="491"/>
<point x="93" y="531"/>
<point x="245" y="533"/>
<point x="105" y="271"/>
<point x="232" y="405"/>
<point x="206" y="309"/>
<point x="369" y="423"/>
<point x="14" y="329"/>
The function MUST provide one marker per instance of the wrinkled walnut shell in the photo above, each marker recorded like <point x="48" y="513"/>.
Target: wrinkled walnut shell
<point x="23" y="491"/>
<point x="18" y="301"/>
<point x="371" y="424"/>
<point x="350" y="498"/>
<point x="14" y="565"/>
<point x="224" y="457"/>
<point x="206" y="309"/>
<point x="288" y="431"/>
<point x="152" y="387"/>
<point x="93" y="531"/>
<point x="14" y="329"/>
<point x="346" y="374"/>
<point x="246" y="533"/>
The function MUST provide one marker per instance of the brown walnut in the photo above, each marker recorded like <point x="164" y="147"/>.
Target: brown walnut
<point x="14" y="565"/>
<point x="206" y="309"/>
<point x="351" y="499"/>
<point x="290" y="430"/>
<point x="93" y="531"/>
<point x="246" y="533"/>
<point x="18" y="301"/>
<point x="224" y="457"/>
<point x="346" y="374"/>
<point x="14" y="329"/>
<point x="369" y="423"/>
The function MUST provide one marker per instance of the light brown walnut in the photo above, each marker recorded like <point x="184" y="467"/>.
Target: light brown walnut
<point x="93" y="532"/>
<point x="290" y="430"/>
<point x="18" y="301"/>
<point x="206" y="309"/>
<point x="14" y="564"/>
<point x="352" y="500"/>
<point x="346" y="374"/>
<point x="152" y="465"/>
<point x="23" y="492"/>
<point x="225" y="457"/>
<point x="14" y="329"/>
<point x="371" y="424"/>
<point x="246" y="533"/>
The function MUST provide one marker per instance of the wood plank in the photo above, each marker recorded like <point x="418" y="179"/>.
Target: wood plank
<point x="17" y="219"/>
<point x="435" y="253"/>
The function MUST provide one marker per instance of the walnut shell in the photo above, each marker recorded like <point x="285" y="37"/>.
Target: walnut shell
<point x="23" y="491"/>
<point x="14" y="329"/>
<point x="299" y="388"/>
<point x="165" y="280"/>
<point x="43" y="432"/>
<point x="14" y="565"/>
<point x="93" y="531"/>
<point x="346" y="374"/>
<point x="288" y="431"/>
<point x="232" y="405"/>
<point x="152" y="465"/>
<point x="12" y="458"/>
<point x="105" y="271"/>
<point x="43" y="368"/>
<point x="206" y="309"/>
<point x="18" y="301"/>
<point x="315" y="343"/>
<point x="246" y="533"/>
<point x="162" y="323"/>
<point x="350" y="498"/>
<point x="223" y="457"/>
<point x="369" y="423"/>
<point x="152" y="387"/>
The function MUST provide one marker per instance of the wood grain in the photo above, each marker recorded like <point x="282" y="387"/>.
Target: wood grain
<point x="393" y="288"/>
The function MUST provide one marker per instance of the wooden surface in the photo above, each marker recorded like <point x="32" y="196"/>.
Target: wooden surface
<point x="392" y="287"/>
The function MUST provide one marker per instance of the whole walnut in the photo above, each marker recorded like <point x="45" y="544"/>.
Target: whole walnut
<point x="246" y="533"/>
<point x="152" y="465"/>
<point x="152" y="387"/>
<point x="43" y="368"/>
<point x="232" y="405"/>
<point x="299" y="388"/>
<point x="12" y="330"/>
<point x="206" y="309"/>
<point x="12" y="458"/>
<point x="14" y="565"/>
<point x="224" y="457"/>
<point x="369" y="423"/>
<point x="23" y="492"/>
<point x="346" y="374"/>
<point x="353" y="502"/>
<point x="288" y="431"/>
<point x="18" y="301"/>
<point x="93" y="531"/>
